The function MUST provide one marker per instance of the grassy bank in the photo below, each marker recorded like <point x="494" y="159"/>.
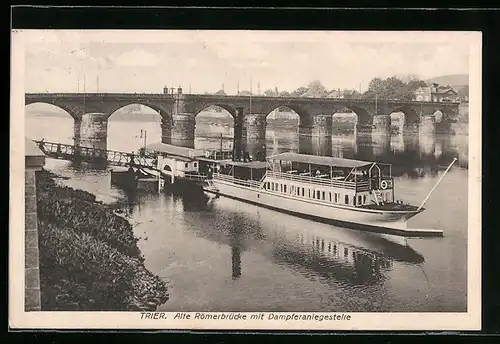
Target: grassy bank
<point x="89" y="258"/>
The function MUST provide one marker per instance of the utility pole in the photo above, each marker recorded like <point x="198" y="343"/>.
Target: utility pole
<point x="84" y="92"/>
<point x="251" y="95"/>
<point x="258" y="88"/>
<point x="238" y="88"/>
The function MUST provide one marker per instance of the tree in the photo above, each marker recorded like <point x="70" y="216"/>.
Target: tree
<point x="284" y="94"/>
<point x="393" y="89"/>
<point x="376" y="85"/>
<point x="414" y="84"/>
<point x="299" y="91"/>
<point x="316" y="89"/>
<point x="270" y="93"/>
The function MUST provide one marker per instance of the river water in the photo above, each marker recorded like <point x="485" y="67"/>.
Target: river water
<point x="224" y="255"/>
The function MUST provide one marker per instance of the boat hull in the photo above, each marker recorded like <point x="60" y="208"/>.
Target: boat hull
<point x="382" y="221"/>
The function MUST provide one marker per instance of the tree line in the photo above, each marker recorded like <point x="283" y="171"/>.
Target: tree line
<point x="391" y="88"/>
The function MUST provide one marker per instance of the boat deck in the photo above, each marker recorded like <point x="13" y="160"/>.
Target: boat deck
<point x="392" y="206"/>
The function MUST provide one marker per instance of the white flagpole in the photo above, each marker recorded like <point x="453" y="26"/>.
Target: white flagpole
<point x="430" y="192"/>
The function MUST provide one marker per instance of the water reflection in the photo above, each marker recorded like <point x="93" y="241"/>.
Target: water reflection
<point x="357" y="258"/>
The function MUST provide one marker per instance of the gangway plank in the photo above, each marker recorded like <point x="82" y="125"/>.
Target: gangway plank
<point x="90" y="154"/>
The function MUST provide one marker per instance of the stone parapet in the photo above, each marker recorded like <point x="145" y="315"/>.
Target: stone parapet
<point x="34" y="161"/>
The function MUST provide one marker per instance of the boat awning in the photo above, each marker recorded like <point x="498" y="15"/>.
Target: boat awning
<point x="250" y="164"/>
<point x="174" y="150"/>
<point x="320" y="160"/>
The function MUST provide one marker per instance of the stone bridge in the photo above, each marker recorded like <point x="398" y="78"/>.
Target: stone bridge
<point x="178" y="111"/>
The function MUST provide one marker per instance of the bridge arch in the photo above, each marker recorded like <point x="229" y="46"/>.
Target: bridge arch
<point x="439" y="116"/>
<point x="213" y="125"/>
<point x="199" y="108"/>
<point x="131" y="126"/>
<point x="72" y="111"/>
<point x="50" y="122"/>
<point x="162" y="111"/>
<point x="411" y="113"/>
<point x="363" y="116"/>
<point x="282" y="130"/>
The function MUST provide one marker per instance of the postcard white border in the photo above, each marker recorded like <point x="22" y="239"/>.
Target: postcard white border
<point x="18" y="318"/>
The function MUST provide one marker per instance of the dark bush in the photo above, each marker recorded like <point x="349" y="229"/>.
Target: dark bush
<point x="89" y="259"/>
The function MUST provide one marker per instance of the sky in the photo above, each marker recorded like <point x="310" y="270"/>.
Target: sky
<point x="204" y="61"/>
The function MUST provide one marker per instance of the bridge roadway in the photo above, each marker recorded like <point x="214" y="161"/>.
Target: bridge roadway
<point x="178" y="111"/>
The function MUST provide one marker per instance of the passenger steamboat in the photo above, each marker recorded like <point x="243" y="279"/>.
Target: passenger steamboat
<point x="351" y="193"/>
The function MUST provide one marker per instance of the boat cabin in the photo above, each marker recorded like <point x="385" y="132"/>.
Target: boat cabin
<point x="342" y="181"/>
<point x="174" y="161"/>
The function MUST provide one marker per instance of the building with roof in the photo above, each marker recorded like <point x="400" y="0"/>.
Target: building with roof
<point x="220" y="93"/>
<point x="437" y="93"/>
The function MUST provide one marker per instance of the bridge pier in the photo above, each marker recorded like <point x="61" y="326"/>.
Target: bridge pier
<point x="77" y="129"/>
<point x="322" y="125"/>
<point x="255" y="126"/>
<point x="427" y="144"/>
<point x="381" y="124"/>
<point x="94" y="130"/>
<point x="305" y="139"/>
<point x="182" y="133"/>
<point x="427" y="125"/>
<point x="238" y="134"/>
<point x="257" y="148"/>
<point x="411" y="128"/>
<point x="166" y="130"/>
<point x="381" y="144"/>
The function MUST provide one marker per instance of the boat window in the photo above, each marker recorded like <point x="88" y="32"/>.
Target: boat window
<point x="284" y="188"/>
<point x="323" y="194"/>
<point x="346" y="199"/>
<point x="195" y="164"/>
<point x="317" y="194"/>
<point x="364" y="199"/>
<point x="336" y="197"/>
<point x="359" y="200"/>
<point x="330" y="194"/>
<point x="186" y="165"/>
<point x="302" y="192"/>
<point x="281" y="187"/>
<point x="354" y="200"/>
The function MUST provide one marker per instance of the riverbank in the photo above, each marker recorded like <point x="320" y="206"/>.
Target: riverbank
<point x="89" y="258"/>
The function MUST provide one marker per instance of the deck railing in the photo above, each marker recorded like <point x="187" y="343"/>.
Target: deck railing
<point x="195" y="176"/>
<point x="218" y="155"/>
<point x="358" y="185"/>
<point x="227" y="178"/>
